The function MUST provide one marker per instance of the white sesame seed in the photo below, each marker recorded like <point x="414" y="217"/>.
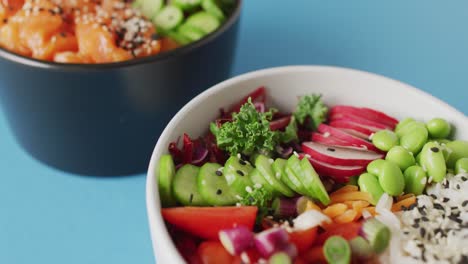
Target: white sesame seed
<point x="248" y="189"/>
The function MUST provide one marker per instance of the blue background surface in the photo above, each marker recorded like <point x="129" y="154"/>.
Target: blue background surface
<point x="47" y="216"/>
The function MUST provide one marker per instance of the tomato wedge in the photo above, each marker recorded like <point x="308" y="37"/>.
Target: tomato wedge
<point x="348" y="231"/>
<point x="206" y="222"/>
<point x="303" y="239"/>
<point x="212" y="252"/>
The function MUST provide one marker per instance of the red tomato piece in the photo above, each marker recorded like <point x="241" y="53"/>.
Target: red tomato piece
<point x="212" y="252"/>
<point x="347" y="231"/>
<point x="206" y="222"/>
<point x="303" y="239"/>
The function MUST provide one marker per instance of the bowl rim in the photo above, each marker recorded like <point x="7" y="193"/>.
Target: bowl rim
<point x="153" y="206"/>
<point x="50" y="65"/>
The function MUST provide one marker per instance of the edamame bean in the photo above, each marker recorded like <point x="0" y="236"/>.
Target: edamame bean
<point x="401" y="157"/>
<point x="369" y="183"/>
<point x="438" y="128"/>
<point x="384" y="140"/>
<point x="458" y="149"/>
<point x="433" y="161"/>
<point x="409" y="127"/>
<point x="391" y="179"/>
<point x="461" y="166"/>
<point x="403" y="123"/>
<point x="415" y="180"/>
<point x="415" y="139"/>
<point x="418" y="158"/>
<point x="375" y="166"/>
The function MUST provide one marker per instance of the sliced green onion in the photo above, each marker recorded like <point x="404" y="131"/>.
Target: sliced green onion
<point x="280" y="258"/>
<point x="361" y="248"/>
<point x="337" y="250"/>
<point x="377" y="234"/>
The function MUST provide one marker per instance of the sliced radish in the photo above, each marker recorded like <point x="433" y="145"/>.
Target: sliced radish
<point x="236" y="240"/>
<point x="338" y="155"/>
<point x="337" y="172"/>
<point x="359" y="120"/>
<point x="354" y="133"/>
<point x="366" y="113"/>
<point x="280" y="123"/>
<point x="333" y="141"/>
<point x="352" y="126"/>
<point x="353" y="140"/>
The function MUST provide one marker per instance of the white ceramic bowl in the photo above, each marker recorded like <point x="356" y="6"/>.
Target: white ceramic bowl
<point x="284" y="85"/>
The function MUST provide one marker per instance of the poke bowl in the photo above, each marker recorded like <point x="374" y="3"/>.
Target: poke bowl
<point x="87" y="86"/>
<point x="310" y="164"/>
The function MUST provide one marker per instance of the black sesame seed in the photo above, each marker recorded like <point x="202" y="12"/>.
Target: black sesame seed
<point x="454" y="207"/>
<point x="423" y="255"/>
<point x="406" y="232"/>
<point x="331" y="149"/>
<point x="458" y="186"/>
<point x="5" y="20"/>
<point x="191" y="198"/>
<point x="464" y="178"/>
<point x="154" y="36"/>
<point x="445" y="184"/>
<point x="435" y="149"/>
<point x="446" y="200"/>
<point x="411" y="207"/>
<point x="425" y="219"/>
<point x="435" y="257"/>
<point x="463" y="259"/>
<point x="219" y="192"/>
<point x="455" y="219"/>
<point x="63" y="34"/>
<point x="422" y="231"/>
<point x="421" y="211"/>
<point x="242" y="162"/>
<point x="417" y="220"/>
<point x="52" y="12"/>
<point x="433" y="196"/>
<point x="438" y="206"/>
<point x="465" y="203"/>
<point x="437" y="230"/>
<point x="240" y="172"/>
<point x="404" y="208"/>
<point x="415" y="225"/>
<point x="218" y="173"/>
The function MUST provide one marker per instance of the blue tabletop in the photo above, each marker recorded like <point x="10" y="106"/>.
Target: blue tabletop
<point x="48" y="216"/>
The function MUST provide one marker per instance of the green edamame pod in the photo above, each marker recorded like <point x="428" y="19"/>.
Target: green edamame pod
<point x="415" y="180"/>
<point x="400" y="156"/>
<point x="375" y="167"/>
<point x="414" y="139"/>
<point x="433" y="161"/>
<point x="461" y="166"/>
<point x="391" y="179"/>
<point x="438" y="128"/>
<point x="385" y="140"/>
<point x="458" y="149"/>
<point x="369" y="183"/>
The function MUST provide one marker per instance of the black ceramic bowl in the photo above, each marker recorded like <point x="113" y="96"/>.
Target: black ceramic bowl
<point x="104" y="119"/>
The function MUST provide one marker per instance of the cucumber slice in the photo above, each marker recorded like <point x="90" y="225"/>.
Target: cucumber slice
<point x="149" y="8"/>
<point x="237" y="171"/>
<point x="165" y="178"/>
<point x="312" y="182"/>
<point x="203" y="21"/>
<point x="213" y="186"/>
<point x="257" y="178"/>
<point x="263" y="165"/>
<point x="185" y="186"/>
<point x="190" y="32"/>
<point x="187" y="5"/>
<point x="211" y="7"/>
<point x="295" y="174"/>
<point x="168" y="18"/>
<point x="279" y="168"/>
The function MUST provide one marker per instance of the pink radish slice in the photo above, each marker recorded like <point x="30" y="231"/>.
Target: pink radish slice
<point x="338" y="155"/>
<point x="260" y="107"/>
<point x="358" y="119"/>
<point x="353" y="140"/>
<point x="333" y="141"/>
<point x="337" y="172"/>
<point x="367" y="113"/>
<point x="280" y="123"/>
<point x="236" y="240"/>
<point x="364" y="130"/>
<point x="354" y="133"/>
<point x="271" y="241"/>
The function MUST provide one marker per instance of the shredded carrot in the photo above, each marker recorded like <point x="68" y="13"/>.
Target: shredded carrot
<point x="350" y="196"/>
<point x="314" y="255"/>
<point x="406" y="203"/>
<point x="335" y="210"/>
<point x="356" y="204"/>
<point x="403" y="197"/>
<point x="346" y="188"/>
<point x="348" y="216"/>
<point x="312" y="206"/>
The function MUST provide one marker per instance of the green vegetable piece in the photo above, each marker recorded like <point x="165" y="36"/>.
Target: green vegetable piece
<point x="149" y="8"/>
<point x="185" y="186"/>
<point x="461" y="166"/>
<point x="337" y="250"/>
<point x="377" y="234"/>
<point x="213" y="186"/>
<point x="438" y="128"/>
<point x="385" y="140"/>
<point x="391" y="179"/>
<point x="187" y="5"/>
<point x="458" y="149"/>
<point x="369" y="183"/>
<point x="165" y="178"/>
<point x="280" y="258"/>
<point x="259" y="197"/>
<point x="236" y="172"/>
<point x="433" y="161"/>
<point x="260" y="181"/>
<point x="360" y="248"/>
<point x="312" y="107"/>
<point x="168" y="18"/>
<point x="248" y="132"/>
<point x="211" y="7"/>
<point x="263" y="165"/>
<point x="278" y="167"/>
<point x="408" y="126"/>
<point x="290" y="132"/>
<point x="402" y="124"/>
<point x="203" y="21"/>
<point x="312" y="182"/>
<point x="415" y="180"/>
<point x="375" y="167"/>
<point x="292" y="181"/>
<point x="190" y="32"/>
<point x="401" y="157"/>
<point x="414" y="139"/>
<point x="295" y="174"/>
<point x="177" y="37"/>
